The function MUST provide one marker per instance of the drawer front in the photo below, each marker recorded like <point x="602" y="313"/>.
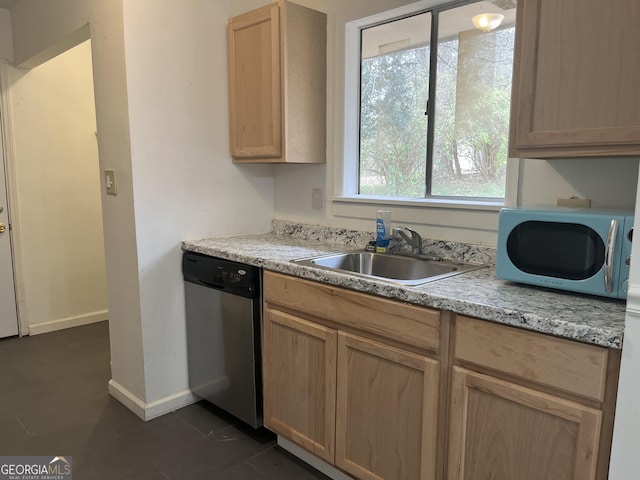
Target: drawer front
<point x="565" y="365"/>
<point x="408" y="324"/>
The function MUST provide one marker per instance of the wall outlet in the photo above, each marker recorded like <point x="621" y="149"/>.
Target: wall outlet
<point x="110" y="182"/>
<point x="316" y="199"/>
<point x="574" y="202"/>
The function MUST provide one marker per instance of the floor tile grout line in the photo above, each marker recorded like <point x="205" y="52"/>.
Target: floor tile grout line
<point x="23" y="427"/>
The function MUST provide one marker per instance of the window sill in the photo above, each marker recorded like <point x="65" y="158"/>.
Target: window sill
<point x="440" y="203"/>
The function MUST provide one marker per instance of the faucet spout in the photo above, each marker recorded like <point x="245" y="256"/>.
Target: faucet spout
<point x="415" y="240"/>
<point x="399" y="232"/>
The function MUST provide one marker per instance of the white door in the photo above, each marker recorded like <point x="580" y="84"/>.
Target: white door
<point x="8" y="314"/>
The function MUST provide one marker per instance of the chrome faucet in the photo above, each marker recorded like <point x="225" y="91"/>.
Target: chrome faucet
<point x="415" y="241"/>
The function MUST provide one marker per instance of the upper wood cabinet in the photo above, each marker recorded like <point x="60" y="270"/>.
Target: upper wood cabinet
<point x="576" y="77"/>
<point x="277" y="84"/>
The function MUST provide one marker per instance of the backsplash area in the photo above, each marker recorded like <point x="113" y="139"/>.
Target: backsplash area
<point x="460" y="252"/>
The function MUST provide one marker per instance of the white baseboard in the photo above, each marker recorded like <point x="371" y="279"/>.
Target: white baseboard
<point x="69" y="322"/>
<point x="170" y="404"/>
<point x="320" y="465"/>
<point x="127" y="398"/>
<point x="147" y="411"/>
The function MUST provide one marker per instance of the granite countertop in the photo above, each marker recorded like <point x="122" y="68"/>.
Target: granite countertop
<point x="477" y="293"/>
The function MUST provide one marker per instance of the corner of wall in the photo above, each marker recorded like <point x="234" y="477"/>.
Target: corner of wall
<point x="148" y="411"/>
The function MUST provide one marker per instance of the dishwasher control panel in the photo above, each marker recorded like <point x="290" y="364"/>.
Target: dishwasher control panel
<point x="234" y="277"/>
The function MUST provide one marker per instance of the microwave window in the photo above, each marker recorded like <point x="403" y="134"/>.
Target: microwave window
<point x="561" y="250"/>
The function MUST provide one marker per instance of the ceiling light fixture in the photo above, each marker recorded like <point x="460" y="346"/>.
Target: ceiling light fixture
<point x="487" y="21"/>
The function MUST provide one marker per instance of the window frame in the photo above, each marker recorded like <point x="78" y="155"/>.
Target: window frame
<point x="347" y="174"/>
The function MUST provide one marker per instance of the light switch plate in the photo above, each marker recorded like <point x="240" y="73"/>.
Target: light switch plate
<point x="110" y="182"/>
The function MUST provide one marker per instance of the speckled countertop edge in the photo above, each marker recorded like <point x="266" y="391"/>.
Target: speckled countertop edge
<point x="477" y="294"/>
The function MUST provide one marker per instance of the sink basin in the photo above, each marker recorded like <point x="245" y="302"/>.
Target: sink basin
<point x="403" y="270"/>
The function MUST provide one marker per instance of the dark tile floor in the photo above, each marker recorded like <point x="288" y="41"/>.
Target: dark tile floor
<point x="54" y="401"/>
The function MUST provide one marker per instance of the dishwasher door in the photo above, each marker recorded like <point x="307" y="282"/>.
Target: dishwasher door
<point x="224" y="344"/>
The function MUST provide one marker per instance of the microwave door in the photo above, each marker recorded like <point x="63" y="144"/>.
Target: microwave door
<point x="556" y="250"/>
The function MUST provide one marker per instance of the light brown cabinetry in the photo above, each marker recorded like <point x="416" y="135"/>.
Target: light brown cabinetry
<point x="386" y="393"/>
<point x="576" y="77"/>
<point x="277" y="84"/>
<point x="300" y="381"/>
<point x="387" y="405"/>
<point x="528" y="406"/>
<point x="502" y="430"/>
<point x="387" y="390"/>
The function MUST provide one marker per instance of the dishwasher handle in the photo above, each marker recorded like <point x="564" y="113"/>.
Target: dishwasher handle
<point x="204" y="283"/>
<point x="247" y="291"/>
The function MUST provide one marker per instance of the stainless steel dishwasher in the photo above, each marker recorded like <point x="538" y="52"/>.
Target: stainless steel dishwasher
<point x="224" y="323"/>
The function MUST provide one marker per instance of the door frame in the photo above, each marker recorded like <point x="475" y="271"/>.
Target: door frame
<point x="6" y="143"/>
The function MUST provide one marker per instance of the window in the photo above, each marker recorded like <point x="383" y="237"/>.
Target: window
<point x="434" y="103"/>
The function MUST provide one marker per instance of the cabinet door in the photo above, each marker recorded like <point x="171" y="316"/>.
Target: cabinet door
<point x="387" y="405"/>
<point x="503" y="431"/>
<point x="576" y="77"/>
<point x="300" y="381"/>
<point x="255" y="83"/>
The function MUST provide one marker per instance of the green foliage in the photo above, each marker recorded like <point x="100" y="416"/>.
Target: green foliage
<point x="470" y="142"/>
<point x="393" y="126"/>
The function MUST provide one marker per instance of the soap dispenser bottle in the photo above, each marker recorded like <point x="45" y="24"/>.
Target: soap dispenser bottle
<point x="383" y="230"/>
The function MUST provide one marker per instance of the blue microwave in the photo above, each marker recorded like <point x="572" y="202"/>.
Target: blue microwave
<point x="579" y="250"/>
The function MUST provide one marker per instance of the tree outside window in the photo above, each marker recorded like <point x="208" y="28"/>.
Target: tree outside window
<point x="469" y="122"/>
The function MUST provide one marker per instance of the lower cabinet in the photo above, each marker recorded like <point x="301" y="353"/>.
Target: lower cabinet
<point x="390" y="391"/>
<point x="387" y="404"/>
<point x="528" y="406"/>
<point x="367" y="407"/>
<point x="300" y="381"/>
<point x="502" y="431"/>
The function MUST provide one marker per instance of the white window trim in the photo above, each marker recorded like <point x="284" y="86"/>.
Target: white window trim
<point x="346" y="184"/>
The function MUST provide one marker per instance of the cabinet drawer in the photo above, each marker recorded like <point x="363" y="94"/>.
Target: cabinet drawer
<point x="565" y="365"/>
<point x="408" y="324"/>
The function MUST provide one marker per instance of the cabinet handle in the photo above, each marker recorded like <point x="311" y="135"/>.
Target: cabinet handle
<point x="609" y="254"/>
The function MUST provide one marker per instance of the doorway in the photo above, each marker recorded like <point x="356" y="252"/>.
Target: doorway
<point x="59" y="250"/>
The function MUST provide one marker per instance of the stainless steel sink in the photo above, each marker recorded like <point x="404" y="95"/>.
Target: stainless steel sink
<point x="403" y="270"/>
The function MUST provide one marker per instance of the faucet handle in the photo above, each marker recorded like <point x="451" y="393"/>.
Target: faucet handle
<point x="416" y="240"/>
<point x="415" y="235"/>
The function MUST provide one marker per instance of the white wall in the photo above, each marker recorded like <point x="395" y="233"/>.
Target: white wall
<point x="6" y="40"/>
<point x="608" y="182"/>
<point x="61" y="25"/>
<point x="185" y="185"/>
<point x="59" y="217"/>
<point x="624" y="451"/>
